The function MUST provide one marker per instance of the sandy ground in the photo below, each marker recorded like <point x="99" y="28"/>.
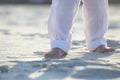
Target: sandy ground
<point x="24" y="41"/>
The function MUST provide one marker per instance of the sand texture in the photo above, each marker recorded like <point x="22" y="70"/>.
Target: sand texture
<point x="24" y="41"/>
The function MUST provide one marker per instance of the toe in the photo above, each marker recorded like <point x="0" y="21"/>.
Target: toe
<point x="48" y="55"/>
<point x="110" y="49"/>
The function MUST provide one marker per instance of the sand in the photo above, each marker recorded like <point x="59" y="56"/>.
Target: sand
<point x="24" y="41"/>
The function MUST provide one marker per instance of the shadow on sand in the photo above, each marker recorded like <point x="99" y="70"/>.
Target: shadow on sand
<point x="59" y="69"/>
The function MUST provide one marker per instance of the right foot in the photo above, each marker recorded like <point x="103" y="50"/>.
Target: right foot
<point x="55" y="53"/>
<point x="103" y="49"/>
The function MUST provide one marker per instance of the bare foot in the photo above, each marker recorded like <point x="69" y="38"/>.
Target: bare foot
<point x="103" y="48"/>
<point x="55" y="53"/>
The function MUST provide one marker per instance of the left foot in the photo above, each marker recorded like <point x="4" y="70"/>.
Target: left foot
<point x="103" y="48"/>
<point x="55" y="53"/>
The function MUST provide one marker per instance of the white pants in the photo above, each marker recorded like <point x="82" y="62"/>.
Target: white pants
<point x="62" y="16"/>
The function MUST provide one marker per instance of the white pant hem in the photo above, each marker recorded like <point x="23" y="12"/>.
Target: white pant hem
<point x="61" y="44"/>
<point x="97" y="43"/>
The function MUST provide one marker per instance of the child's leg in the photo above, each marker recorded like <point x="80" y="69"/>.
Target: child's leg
<point x="96" y="22"/>
<point x="60" y="23"/>
<point x="59" y="26"/>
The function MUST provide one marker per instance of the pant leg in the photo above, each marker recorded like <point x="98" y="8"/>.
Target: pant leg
<point x="96" y="22"/>
<point x="60" y="23"/>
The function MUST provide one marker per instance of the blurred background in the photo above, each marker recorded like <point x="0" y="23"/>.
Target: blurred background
<point x="41" y="1"/>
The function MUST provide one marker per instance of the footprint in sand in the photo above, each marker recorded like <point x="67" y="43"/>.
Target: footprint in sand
<point x="4" y="69"/>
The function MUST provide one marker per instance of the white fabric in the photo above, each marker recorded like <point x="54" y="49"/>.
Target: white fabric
<point x="62" y="16"/>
